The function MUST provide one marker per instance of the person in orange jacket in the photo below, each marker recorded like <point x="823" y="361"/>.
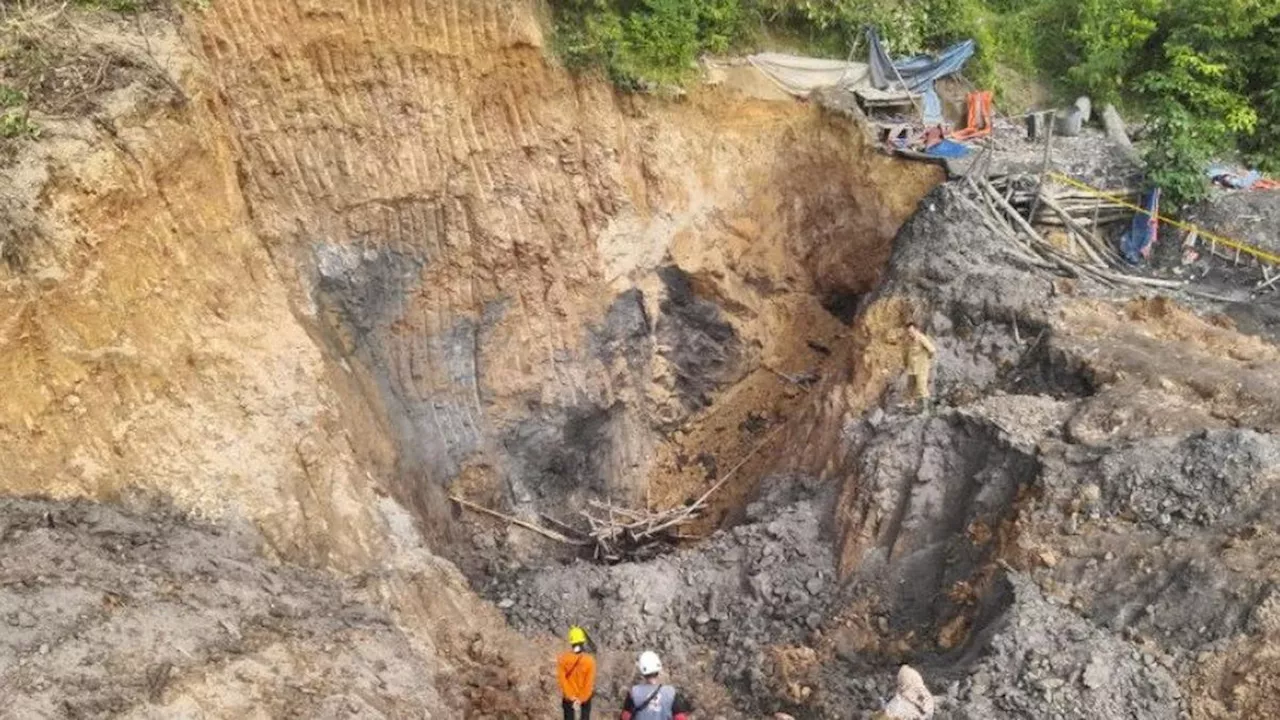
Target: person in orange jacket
<point x="576" y="672"/>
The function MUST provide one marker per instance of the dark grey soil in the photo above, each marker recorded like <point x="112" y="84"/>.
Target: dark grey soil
<point x="107" y="612"/>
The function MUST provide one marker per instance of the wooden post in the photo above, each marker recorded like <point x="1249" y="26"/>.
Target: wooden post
<point x="1044" y="168"/>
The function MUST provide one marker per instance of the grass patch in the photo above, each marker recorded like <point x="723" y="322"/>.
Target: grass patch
<point x="11" y="97"/>
<point x="119" y="6"/>
<point x="15" y="124"/>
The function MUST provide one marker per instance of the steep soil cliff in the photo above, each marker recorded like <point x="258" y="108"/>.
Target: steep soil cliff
<point x="279" y="276"/>
<point x="288" y="258"/>
<point x="278" y="260"/>
<point x="544" y="286"/>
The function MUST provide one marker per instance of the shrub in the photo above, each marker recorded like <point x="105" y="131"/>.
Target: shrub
<point x="1205" y="73"/>
<point x="649" y="41"/>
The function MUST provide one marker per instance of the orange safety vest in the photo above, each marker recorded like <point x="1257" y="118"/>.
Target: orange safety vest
<point x="576" y="673"/>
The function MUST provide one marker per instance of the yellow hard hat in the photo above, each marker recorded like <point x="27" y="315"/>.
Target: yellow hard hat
<point x="577" y="636"/>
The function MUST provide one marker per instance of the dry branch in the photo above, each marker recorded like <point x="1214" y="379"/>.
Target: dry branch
<point x="533" y="527"/>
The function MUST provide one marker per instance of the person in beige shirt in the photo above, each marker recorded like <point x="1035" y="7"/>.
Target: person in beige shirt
<point x="919" y="358"/>
<point x="913" y="700"/>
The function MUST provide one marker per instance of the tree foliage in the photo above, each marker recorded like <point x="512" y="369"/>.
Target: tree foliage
<point x="1204" y="74"/>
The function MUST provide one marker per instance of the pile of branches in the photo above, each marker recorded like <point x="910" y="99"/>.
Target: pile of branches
<point x="613" y="533"/>
<point x="618" y="533"/>
<point x="1087" y="254"/>
<point x="1084" y="209"/>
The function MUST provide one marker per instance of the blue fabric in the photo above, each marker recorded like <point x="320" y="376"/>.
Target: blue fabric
<point x="919" y="71"/>
<point x="1232" y="178"/>
<point x="948" y="149"/>
<point x="932" y="108"/>
<point x="1136" y="242"/>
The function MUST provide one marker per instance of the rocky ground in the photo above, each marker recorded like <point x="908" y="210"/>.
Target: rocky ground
<point x="1048" y="543"/>
<point x="144" y="613"/>
<point x="1247" y="215"/>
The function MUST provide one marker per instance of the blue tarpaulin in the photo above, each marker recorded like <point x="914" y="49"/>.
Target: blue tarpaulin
<point x="1232" y="178"/>
<point x="917" y="72"/>
<point x="1136" y="242"/>
<point x="948" y="149"/>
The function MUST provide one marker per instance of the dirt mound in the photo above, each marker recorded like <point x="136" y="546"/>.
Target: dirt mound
<point x="112" y="613"/>
<point x="1046" y="661"/>
<point x="1247" y="215"/>
<point x="718" y="614"/>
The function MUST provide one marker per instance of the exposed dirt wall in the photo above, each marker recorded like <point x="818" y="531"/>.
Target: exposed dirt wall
<point x="546" y="285"/>
<point x="300" y="257"/>
<point x="147" y="340"/>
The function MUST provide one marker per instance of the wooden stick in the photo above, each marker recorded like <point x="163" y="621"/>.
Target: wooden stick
<point x="720" y="483"/>
<point x="552" y="534"/>
<point x="919" y="108"/>
<point x="611" y="508"/>
<point x="1013" y="214"/>
<point x="559" y="523"/>
<point x="1085" y="236"/>
<point x="995" y="222"/>
<point x="1139" y="280"/>
<point x="1044" y="168"/>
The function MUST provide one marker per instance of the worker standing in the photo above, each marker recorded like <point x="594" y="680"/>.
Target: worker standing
<point x="576" y="672"/>
<point x="652" y="700"/>
<point x="920" y="354"/>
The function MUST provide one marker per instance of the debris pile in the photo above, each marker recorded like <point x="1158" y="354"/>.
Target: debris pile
<point x="767" y="581"/>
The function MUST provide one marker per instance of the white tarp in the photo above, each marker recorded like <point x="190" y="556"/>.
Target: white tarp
<point x="802" y="75"/>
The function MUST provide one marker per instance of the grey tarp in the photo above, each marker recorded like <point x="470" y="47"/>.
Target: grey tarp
<point x="917" y="73"/>
<point x="802" y="75"/>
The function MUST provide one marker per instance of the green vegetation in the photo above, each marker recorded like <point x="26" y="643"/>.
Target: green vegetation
<point x="642" y="42"/>
<point x="120" y="6"/>
<point x="11" y="98"/>
<point x="1204" y="74"/>
<point x="649" y="41"/>
<point x="14" y="122"/>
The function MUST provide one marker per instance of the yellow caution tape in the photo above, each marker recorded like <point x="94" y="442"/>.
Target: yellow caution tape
<point x="1243" y="247"/>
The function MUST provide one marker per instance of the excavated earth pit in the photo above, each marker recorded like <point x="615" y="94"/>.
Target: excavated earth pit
<point x="288" y="276"/>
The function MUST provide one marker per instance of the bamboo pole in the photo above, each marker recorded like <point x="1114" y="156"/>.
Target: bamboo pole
<point x="532" y="527"/>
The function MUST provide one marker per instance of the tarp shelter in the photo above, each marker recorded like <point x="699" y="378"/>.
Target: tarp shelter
<point x="917" y="73"/>
<point x="802" y="75"/>
<point x="890" y="81"/>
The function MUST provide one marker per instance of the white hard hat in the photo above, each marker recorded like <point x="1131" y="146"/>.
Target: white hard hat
<point x="649" y="663"/>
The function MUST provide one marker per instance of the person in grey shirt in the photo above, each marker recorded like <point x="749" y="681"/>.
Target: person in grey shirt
<point x="652" y="700"/>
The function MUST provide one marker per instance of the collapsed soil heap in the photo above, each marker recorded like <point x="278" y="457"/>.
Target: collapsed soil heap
<point x="301" y="266"/>
<point x="1047" y="546"/>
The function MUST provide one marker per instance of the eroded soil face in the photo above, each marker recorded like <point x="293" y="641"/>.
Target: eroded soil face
<point x="295" y="268"/>
<point x="545" y="286"/>
<point x="141" y="614"/>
